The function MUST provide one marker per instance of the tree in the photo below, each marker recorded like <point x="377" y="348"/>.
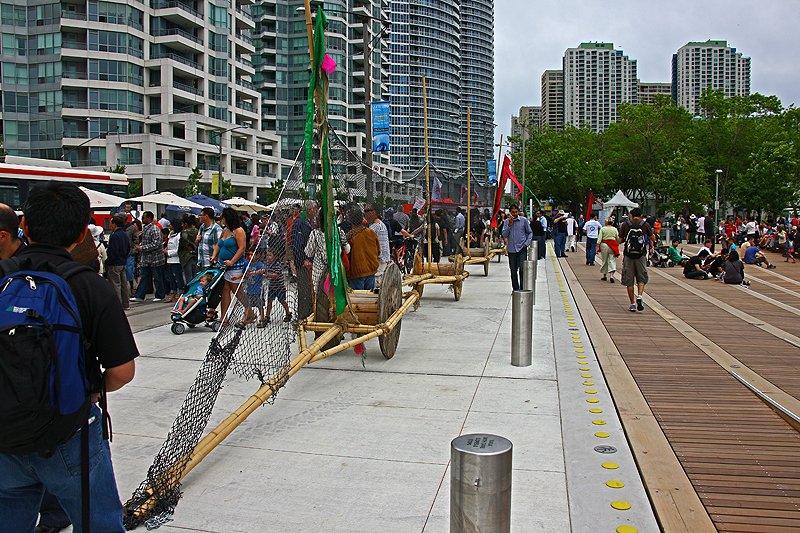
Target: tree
<point x="116" y="169"/>
<point x="135" y="187"/>
<point x="770" y="183"/>
<point x="682" y="183"/>
<point x="192" y="186"/>
<point x="226" y="190"/>
<point x="273" y="191"/>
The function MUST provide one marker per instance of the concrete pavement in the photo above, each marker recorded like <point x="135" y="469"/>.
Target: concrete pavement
<point x="350" y="448"/>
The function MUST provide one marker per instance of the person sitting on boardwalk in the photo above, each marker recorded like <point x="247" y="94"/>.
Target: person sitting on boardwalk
<point x="754" y="256"/>
<point x="715" y="264"/>
<point x="694" y="268"/>
<point x="734" y="270"/>
<point x="674" y="254"/>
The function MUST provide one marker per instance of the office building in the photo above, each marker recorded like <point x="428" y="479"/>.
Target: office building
<point x="647" y="91"/>
<point x="552" y="113"/>
<point x="710" y="65"/>
<point x="597" y="78"/>
<point x="154" y="86"/>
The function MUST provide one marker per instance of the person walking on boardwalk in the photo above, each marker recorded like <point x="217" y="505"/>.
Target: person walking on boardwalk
<point x="609" y="249"/>
<point x="635" y="234"/>
<point x="518" y="235"/>
<point x="592" y="229"/>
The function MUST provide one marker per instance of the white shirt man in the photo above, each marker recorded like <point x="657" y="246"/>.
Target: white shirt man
<point x="572" y="227"/>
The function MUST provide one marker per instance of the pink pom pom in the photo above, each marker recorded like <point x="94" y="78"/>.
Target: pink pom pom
<point x="328" y="64"/>
<point x="359" y="349"/>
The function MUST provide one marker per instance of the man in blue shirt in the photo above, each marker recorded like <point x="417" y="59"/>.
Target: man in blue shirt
<point x="754" y="256"/>
<point x="517" y="234"/>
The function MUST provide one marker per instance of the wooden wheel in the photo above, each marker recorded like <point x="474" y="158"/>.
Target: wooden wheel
<point x="458" y="284"/>
<point x="390" y="299"/>
<point x="487" y="248"/>
<point x="322" y="311"/>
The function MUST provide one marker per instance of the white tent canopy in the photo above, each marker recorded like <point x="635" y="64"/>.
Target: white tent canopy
<point x="164" y="198"/>
<point x="619" y="200"/>
<point x="243" y="204"/>
<point x="101" y="200"/>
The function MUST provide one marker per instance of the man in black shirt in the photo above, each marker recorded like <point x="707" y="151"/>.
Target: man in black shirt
<point x="54" y="222"/>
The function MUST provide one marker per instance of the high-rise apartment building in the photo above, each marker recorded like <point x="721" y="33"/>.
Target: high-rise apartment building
<point x="712" y="64"/>
<point x="529" y="117"/>
<point x="647" y="91"/>
<point x="552" y="113"/>
<point x="477" y="83"/>
<point x="426" y="42"/>
<point x="155" y="86"/>
<point x="596" y="79"/>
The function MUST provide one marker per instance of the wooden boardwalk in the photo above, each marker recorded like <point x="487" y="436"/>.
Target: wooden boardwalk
<point x="692" y="353"/>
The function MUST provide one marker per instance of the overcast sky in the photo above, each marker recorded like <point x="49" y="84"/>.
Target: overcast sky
<point x="532" y="35"/>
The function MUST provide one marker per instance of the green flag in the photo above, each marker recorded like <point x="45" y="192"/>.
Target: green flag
<point x="319" y="86"/>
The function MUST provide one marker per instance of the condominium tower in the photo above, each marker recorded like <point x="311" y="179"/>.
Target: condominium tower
<point x="710" y="65"/>
<point x="597" y="78"/>
<point x="648" y="91"/>
<point x="155" y="86"/>
<point x="552" y="113"/>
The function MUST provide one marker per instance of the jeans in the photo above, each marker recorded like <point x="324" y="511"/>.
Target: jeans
<point x="174" y="279"/>
<point x="189" y="271"/>
<point x="130" y="268"/>
<point x="515" y="260"/>
<point x="364" y="283"/>
<point x="591" y="249"/>
<point x="697" y="274"/>
<point x="51" y="513"/>
<point x="559" y="241"/>
<point x="23" y="479"/>
<point x="542" y="240"/>
<point x="150" y="273"/>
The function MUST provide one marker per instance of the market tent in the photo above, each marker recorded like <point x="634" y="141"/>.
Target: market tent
<point x="164" y="198"/>
<point x="243" y="204"/>
<point x="101" y="200"/>
<point x="619" y="200"/>
<point x="201" y="201"/>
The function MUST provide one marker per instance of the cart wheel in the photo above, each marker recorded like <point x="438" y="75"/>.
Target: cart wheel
<point x="457" y="289"/>
<point x="178" y="328"/>
<point x="486" y="267"/>
<point x="215" y="326"/>
<point x="390" y="299"/>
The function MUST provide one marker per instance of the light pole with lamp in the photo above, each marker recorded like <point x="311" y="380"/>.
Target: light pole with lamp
<point x="365" y="20"/>
<point x="65" y="154"/>
<point x="219" y="175"/>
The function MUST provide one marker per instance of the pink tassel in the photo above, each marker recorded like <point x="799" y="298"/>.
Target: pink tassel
<point x="359" y="349"/>
<point x="328" y="64"/>
<point x="327" y="285"/>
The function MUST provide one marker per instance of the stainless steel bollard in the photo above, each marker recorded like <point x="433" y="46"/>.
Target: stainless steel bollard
<point x="529" y="278"/>
<point x="480" y="484"/>
<point x="535" y="258"/>
<point x="521" y="327"/>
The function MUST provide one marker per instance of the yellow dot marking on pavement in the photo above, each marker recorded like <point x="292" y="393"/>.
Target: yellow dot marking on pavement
<point x="586" y="375"/>
<point x="595" y="410"/>
<point x="627" y="529"/>
<point x="610" y="466"/>
<point x="599" y="422"/>
<point x="614" y="484"/>
<point x="590" y="391"/>
<point x="588" y="383"/>
<point x="580" y="356"/>
<point x="578" y="346"/>
<point x="593" y="400"/>
<point x="602" y="435"/>
<point x="579" y="351"/>
<point x="583" y="368"/>
<point x="622" y="506"/>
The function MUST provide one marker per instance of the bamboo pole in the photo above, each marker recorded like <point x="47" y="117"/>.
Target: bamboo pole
<point x="410" y="280"/>
<point x="469" y="177"/>
<point x="310" y="30"/>
<point x="325" y="326"/>
<point x="427" y="167"/>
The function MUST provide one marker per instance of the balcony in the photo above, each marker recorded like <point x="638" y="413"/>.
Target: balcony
<point x="179" y="59"/>
<point x="245" y="14"/>
<point x="177" y="31"/>
<point x="171" y="162"/>
<point x="208" y="166"/>
<point x="187" y="88"/>
<point x="75" y="75"/>
<point x="246" y="84"/>
<point x="72" y="15"/>
<point x="247" y="106"/>
<point x="241" y="172"/>
<point x="244" y="61"/>
<point x="177" y="12"/>
<point x="244" y="37"/>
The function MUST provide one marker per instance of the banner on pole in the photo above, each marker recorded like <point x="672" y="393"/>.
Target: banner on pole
<point x="419" y="204"/>
<point x="491" y="167"/>
<point x="380" y="126"/>
<point x="215" y="183"/>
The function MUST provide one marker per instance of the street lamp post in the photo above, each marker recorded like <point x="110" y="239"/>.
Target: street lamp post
<point x="219" y="194"/>
<point x="716" y="205"/>
<point x="524" y="138"/>
<point x="65" y="154"/>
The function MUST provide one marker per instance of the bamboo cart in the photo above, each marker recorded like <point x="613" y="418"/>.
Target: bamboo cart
<point x="425" y="273"/>
<point x="476" y="256"/>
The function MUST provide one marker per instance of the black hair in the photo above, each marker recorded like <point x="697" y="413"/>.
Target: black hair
<point x="208" y="211"/>
<point x="703" y="253"/>
<point x="118" y="220"/>
<point x="232" y="220"/>
<point x="56" y="213"/>
<point x="9" y="221"/>
<point x="148" y="214"/>
<point x="513" y="206"/>
<point x="636" y="212"/>
<point x="675" y="240"/>
<point x="176" y="223"/>
<point x="733" y="256"/>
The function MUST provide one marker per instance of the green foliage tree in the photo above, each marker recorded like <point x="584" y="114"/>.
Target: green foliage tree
<point x="192" y="186"/>
<point x="682" y="183"/>
<point x="134" y="188"/>
<point x="226" y="190"/>
<point x="273" y="191"/>
<point x="771" y="181"/>
<point x="116" y="169"/>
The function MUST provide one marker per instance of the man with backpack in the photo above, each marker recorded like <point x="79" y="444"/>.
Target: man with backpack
<point x="638" y="238"/>
<point x="64" y="326"/>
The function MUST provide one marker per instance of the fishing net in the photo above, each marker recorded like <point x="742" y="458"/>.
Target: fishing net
<point x="279" y="285"/>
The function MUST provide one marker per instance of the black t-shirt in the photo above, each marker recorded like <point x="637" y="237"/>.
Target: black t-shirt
<point x="693" y="264"/>
<point x="395" y="226"/>
<point x="536" y="227"/>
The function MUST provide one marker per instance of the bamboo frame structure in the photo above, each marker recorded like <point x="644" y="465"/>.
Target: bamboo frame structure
<point x="427" y="168"/>
<point x="469" y="178"/>
<point x="308" y="355"/>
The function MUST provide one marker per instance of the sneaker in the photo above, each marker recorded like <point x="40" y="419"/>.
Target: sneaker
<point x="639" y="304"/>
<point x="772" y="266"/>
<point x="632" y="308"/>
<point x="158" y="299"/>
<point x="134" y="299"/>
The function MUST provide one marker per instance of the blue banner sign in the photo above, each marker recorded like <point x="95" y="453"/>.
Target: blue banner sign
<point x="380" y="126"/>
<point x="491" y="167"/>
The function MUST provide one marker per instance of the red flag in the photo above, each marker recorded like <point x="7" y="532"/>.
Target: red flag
<point x="589" y="208"/>
<point x="501" y="186"/>
<point x="463" y="192"/>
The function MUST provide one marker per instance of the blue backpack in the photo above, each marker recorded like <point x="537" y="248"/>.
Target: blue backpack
<point x="44" y="387"/>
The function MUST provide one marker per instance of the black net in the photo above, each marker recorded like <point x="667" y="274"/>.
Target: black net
<point x="262" y="297"/>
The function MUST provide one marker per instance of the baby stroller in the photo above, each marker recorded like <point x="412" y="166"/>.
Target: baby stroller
<point x="660" y="255"/>
<point x="203" y="309"/>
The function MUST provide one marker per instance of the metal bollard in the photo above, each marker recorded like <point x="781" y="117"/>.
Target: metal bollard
<point x="480" y="484"/>
<point x="521" y="327"/>
<point x="529" y="278"/>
